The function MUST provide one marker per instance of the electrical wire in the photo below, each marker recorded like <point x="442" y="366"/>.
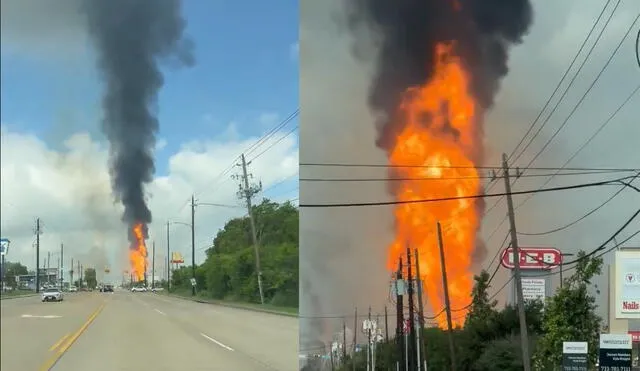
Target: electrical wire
<point x="566" y="90"/>
<point x="440" y="179"/>
<point x="562" y="79"/>
<point x="638" y="48"/>
<point x="389" y="166"/>
<point x="586" y="143"/>
<point x="584" y="96"/>
<point x="274" y="143"/>
<point x="568" y="225"/>
<point x="401" y="202"/>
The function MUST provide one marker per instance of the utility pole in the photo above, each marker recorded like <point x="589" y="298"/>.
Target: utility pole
<point x="38" y="255"/>
<point x="400" y="317"/>
<point x="153" y="264"/>
<point x="247" y="192"/>
<point x="369" y="350"/>
<point x="344" y="343"/>
<point x="524" y="334"/>
<point x="81" y="274"/>
<point x="61" y="269"/>
<point x="355" y="340"/>
<point x="168" y="259"/>
<point x="71" y="273"/>
<point x="421" y="346"/>
<point x="193" y="245"/>
<point x="48" y="267"/>
<point x="447" y="302"/>
<point x="412" y="327"/>
<point x="386" y="324"/>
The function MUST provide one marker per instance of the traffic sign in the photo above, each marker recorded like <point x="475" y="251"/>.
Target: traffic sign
<point x="4" y="246"/>
<point x="533" y="258"/>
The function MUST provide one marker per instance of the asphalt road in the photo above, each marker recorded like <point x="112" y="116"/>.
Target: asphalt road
<point x="142" y="331"/>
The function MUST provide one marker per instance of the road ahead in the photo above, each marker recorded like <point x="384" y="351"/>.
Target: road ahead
<point x="142" y="331"/>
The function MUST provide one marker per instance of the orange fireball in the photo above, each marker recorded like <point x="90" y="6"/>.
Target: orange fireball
<point x="138" y="253"/>
<point x="437" y="142"/>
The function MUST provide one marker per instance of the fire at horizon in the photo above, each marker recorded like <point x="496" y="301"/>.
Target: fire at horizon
<point x="438" y="140"/>
<point x="138" y="252"/>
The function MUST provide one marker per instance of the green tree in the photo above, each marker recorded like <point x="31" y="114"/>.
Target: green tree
<point x="90" y="278"/>
<point x="229" y="271"/>
<point x="570" y="315"/>
<point x="11" y="270"/>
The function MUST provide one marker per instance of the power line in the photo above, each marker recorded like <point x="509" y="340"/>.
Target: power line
<point x="389" y="166"/>
<point x="564" y="76"/>
<point x="585" y="144"/>
<point x="399" y="202"/>
<point x="441" y="178"/>
<point x="566" y="90"/>
<point x="638" y="48"/>
<point x="558" y="229"/>
<point x="274" y="143"/>
<point x="584" y="96"/>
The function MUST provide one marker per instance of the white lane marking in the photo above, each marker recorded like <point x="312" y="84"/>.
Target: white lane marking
<point x="32" y="316"/>
<point x="216" y="342"/>
<point x="161" y="312"/>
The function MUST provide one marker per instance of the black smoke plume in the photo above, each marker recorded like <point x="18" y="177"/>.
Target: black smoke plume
<point x="131" y="38"/>
<point x="408" y="30"/>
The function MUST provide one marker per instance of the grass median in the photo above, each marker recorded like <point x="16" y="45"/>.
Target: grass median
<point x="268" y="308"/>
<point x="14" y="294"/>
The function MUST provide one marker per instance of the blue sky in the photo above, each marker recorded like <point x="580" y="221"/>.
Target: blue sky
<point x="244" y="68"/>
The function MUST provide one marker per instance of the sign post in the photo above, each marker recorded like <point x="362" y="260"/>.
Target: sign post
<point x="4" y="249"/>
<point x="615" y="352"/>
<point x="575" y="356"/>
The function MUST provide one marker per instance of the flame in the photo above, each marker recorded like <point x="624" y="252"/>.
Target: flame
<point x="437" y="140"/>
<point x="138" y="253"/>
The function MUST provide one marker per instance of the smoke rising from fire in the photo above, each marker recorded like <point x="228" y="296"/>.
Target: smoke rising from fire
<point x="438" y="68"/>
<point x="131" y="37"/>
<point x="409" y="30"/>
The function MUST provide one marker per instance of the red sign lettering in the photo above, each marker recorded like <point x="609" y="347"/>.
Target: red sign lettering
<point x="533" y="258"/>
<point x="630" y="305"/>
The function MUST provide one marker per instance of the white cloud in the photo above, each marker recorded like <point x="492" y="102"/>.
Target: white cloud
<point x="268" y="119"/>
<point x="70" y="192"/>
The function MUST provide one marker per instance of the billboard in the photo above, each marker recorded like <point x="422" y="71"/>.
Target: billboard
<point x="532" y="258"/>
<point x="627" y="284"/>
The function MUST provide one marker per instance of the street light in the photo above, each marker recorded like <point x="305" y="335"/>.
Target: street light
<point x="169" y="223"/>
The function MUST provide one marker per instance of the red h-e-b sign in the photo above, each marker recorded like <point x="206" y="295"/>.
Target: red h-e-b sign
<point x="533" y="258"/>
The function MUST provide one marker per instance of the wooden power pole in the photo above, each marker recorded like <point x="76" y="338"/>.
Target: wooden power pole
<point x="524" y="336"/>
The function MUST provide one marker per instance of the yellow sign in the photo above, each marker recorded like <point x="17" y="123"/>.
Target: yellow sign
<point x="177" y="258"/>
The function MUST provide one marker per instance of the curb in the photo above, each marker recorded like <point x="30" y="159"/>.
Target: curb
<point x="235" y="306"/>
<point x="3" y="297"/>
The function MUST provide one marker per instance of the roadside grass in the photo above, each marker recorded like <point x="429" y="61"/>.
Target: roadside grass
<point x="201" y="297"/>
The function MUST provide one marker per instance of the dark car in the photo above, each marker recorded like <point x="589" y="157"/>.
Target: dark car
<point x="107" y="288"/>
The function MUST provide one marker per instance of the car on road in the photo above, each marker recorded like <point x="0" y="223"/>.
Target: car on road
<point x="73" y="289"/>
<point x="52" y="294"/>
<point x="138" y="289"/>
<point x="106" y="288"/>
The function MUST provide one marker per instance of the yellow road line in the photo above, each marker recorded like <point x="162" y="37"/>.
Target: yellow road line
<point x="57" y="344"/>
<point x="62" y="349"/>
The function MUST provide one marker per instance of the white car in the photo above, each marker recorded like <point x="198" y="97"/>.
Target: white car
<point x="52" y="294"/>
<point x="138" y="289"/>
<point x="73" y="289"/>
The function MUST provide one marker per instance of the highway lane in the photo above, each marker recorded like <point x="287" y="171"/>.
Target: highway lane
<point x="28" y="339"/>
<point x="140" y="331"/>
